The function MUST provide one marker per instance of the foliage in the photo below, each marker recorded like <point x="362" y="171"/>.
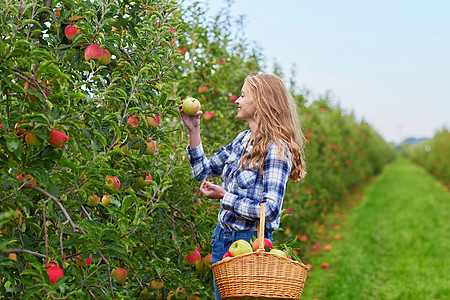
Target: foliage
<point x="161" y="52"/>
<point x="381" y="253"/>
<point x="342" y="156"/>
<point x="433" y="155"/>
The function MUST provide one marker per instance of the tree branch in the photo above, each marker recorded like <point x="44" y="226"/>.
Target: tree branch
<point x="80" y="45"/>
<point x="24" y="251"/>
<point x="61" y="207"/>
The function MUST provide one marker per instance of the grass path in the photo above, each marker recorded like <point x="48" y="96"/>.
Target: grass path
<point x="396" y="242"/>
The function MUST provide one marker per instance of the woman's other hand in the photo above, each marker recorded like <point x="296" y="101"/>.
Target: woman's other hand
<point x="211" y="190"/>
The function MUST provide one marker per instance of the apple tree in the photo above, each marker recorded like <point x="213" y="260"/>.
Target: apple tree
<point x="92" y="161"/>
<point x="96" y="194"/>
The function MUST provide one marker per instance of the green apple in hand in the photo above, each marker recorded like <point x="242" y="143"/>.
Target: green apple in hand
<point x="191" y="106"/>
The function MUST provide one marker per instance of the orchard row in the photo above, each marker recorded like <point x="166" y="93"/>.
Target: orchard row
<point x="433" y="155"/>
<point x="93" y="165"/>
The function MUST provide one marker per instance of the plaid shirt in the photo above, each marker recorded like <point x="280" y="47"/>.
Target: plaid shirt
<point x="246" y="188"/>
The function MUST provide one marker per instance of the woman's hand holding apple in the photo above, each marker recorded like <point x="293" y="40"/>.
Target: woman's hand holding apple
<point x="192" y="122"/>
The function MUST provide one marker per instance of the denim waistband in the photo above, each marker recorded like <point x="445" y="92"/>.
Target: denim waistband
<point x="222" y="233"/>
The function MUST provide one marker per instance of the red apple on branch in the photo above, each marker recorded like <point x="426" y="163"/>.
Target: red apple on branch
<point x="207" y="261"/>
<point x="154" y="122"/>
<point x="156" y="284"/>
<point x="20" y="132"/>
<point x="199" y="265"/>
<point x="151" y="147"/>
<point x="54" y="273"/>
<point x="31" y="139"/>
<point x="143" y="182"/>
<point x="208" y="115"/>
<point x="182" y="50"/>
<point x="21" y="178"/>
<point x="202" y="89"/>
<point x="31" y="97"/>
<point x="106" y="58"/>
<point x="57" y="139"/>
<point x="112" y="182"/>
<point x="93" y="201"/>
<point x="105" y="200"/>
<point x="93" y="52"/>
<point x="136" y="145"/>
<point x="120" y="274"/>
<point x="70" y="31"/>
<point x="132" y="122"/>
<point x="192" y="257"/>
<point x="79" y="261"/>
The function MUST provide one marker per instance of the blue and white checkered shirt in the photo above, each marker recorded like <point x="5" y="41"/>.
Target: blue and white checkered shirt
<point x="246" y="188"/>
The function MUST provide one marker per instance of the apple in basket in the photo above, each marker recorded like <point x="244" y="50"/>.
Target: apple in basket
<point x="278" y="252"/>
<point x="267" y="243"/>
<point x="226" y="256"/>
<point x="240" y="247"/>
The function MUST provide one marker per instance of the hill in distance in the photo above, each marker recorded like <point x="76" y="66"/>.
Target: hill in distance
<point x="412" y="140"/>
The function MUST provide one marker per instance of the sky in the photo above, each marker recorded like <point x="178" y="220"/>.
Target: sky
<point x="387" y="62"/>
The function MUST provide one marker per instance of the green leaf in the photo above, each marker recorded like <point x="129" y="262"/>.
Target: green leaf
<point x="100" y="137"/>
<point x="122" y="93"/>
<point x="30" y="21"/>
<point x="115" y="152"/>
<point x="30" y="291"/>
<point x="36" y="31"/>
<point x="108" y="171"/>
<point x="77" y="95"/>
<point x="127" y="201"/>
<point x="31" y="272"/>
<point x="13" y="144"/>
<point x="44" y="54"/>
<point x="162" y="205"/>
<point x="68" y="163"/>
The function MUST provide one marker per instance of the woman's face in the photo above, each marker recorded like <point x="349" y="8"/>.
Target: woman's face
<point x="246" y="108"/>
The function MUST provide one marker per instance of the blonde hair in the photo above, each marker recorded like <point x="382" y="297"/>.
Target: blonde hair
<point x="278" y="122"/>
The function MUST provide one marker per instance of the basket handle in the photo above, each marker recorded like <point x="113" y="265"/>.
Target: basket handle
<point x="261" y="225"/>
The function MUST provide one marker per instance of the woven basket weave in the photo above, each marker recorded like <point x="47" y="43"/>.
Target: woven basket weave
<point x="260" y="274"/>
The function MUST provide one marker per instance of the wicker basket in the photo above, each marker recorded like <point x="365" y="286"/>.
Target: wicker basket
<point x="260" y="274"/>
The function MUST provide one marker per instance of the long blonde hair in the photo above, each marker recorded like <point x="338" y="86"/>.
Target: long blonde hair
<point x="278" y="122"/>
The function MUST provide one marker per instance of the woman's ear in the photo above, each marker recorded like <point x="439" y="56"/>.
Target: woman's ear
<point x="256" y="115"/>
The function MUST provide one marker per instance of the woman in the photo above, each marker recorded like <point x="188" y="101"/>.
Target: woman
<point x="255" y="167"/>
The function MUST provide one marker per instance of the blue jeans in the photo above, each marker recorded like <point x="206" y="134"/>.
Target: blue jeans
<point x="222" y="240"/>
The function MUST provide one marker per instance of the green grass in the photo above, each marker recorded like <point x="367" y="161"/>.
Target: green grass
<point x="396" y="242"/>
